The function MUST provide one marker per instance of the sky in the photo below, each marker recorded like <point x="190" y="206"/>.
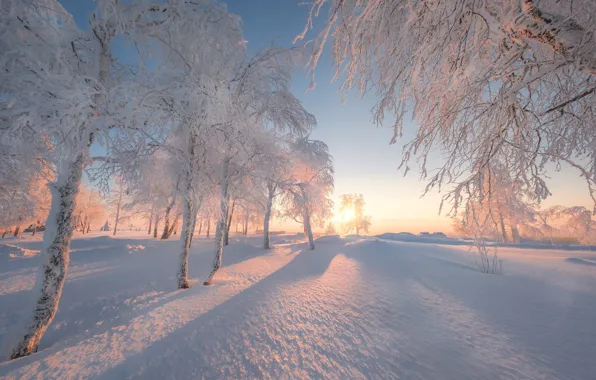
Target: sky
<point x="364" y="161"/>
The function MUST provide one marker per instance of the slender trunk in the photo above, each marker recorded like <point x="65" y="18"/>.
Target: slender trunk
<point x="4" y="234"/>
<point x="236" y="226"/>
<point x="228" y="224"/>
<point x="187" y="219"/>
<point x="514" y="233"/>
<point x="194" y="225"/>
<point x="17" y="230"/>
<point x="209" y="227"/>
<point x="185" y="239"/>
<point x="156" y="225"/>
<point x="304" y="225"/>
<point x="88" y="227"/>
<point x="150" y="221"/>
<point x="172" y="229"/>
<point x="503" y="231"/>
<point x="221" y="223"/>
<point x="34" y="228"/>
<point x="246" y="217"/>
<point x="118" y="208"/>
<point x="166" y="220"/>
<point x="200" y="226"/>
<point x="57" y="238"/>
<point x="308" y="228"/>
<point x="267" y="218"/>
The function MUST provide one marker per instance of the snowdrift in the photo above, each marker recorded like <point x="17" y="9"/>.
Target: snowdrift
<point x="9" y="251"/>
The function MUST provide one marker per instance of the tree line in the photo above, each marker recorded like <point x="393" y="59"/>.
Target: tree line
<point x="186" y="122"/>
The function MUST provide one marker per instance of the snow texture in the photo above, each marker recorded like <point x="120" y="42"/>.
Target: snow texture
<point x="354" y="308"/>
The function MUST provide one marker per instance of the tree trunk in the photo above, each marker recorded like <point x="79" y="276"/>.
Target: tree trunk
<point x="150" y="222"/>
<point x="17" y="230"/>
<point x="515" y="233"/>
<point x="88" y="227"/>
<point x="308" y="228"/>
<point x="118" y="209"/>
<point x="187" y="220"/>
<point x="267" y="218"/>
<point x="57" y="238"/>
<point x="200" y="226"/>
<point x="4" y="234"/>
<point x="34" y="228"/>
<point x="166" y="227"/>
<point x="208" y="227"/>
<point x="221" y="223"/>
<point x="185" y="239"/>
<point x="246" y="217"/>
<point x="194" y="225"/>
<point x="503" y="230"/>
<point x="156" y="225"/>
<point x="173" y="226"/>
<point x="228" y="224"/>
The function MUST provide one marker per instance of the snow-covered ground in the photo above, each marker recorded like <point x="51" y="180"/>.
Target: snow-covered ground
<point x="353" y="308"/>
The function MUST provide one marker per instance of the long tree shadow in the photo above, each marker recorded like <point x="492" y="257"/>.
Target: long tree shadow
<point x="99" y="301"/>
<point x="184" y="353"/>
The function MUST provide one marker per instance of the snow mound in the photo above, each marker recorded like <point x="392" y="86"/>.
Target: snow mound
<point x="329" y="239"/>
<point x="589" y="261"/>
<point x="422" y="238"/>
<point x="14" y="252"/>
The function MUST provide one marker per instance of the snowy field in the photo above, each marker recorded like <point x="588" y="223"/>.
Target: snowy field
<point x="353" y="308"/>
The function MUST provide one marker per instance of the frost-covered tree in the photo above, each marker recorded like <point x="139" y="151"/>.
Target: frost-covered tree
<point x="483" y="80"/>
<point x="546" y="218"/>
<point x="579" y="220"/>
<point x="498" y="207"/>
<point x="354" y="205"/>
<point x="64" y="85"/>
<point x="89" y="209"/>
<point x="308" y="195"/>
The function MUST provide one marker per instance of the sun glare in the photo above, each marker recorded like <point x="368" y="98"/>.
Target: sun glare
<point x="348" y="214"/>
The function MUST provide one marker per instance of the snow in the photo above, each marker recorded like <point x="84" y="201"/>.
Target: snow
<point x="355" y="307"/>
<point x="14" y="252"/>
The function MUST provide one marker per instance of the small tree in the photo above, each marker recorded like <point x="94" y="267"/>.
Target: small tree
<point x="355" y="204"/>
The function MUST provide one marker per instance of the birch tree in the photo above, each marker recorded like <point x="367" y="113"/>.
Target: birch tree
<point x="308" y="195"/>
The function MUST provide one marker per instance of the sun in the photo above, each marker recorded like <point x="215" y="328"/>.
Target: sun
<point x="348" y="214"/>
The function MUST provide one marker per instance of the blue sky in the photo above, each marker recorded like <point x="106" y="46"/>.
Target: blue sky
<point x="364" y="161"/>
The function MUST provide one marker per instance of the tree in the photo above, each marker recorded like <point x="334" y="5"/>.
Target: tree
<point x="498" y="206"/>
<point x="579" y="220"/>
<point x="89" y="209"/>
<point x="117" y="203"/>
<point x="259" y="98"/>
<point x="545" y="217"/>
<point x="330" y="230"/>
<point x="509" y="81"/>
<point x="62" y="85"/>
<point x="308" y="195"/>
<point x="357" y="220"/>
